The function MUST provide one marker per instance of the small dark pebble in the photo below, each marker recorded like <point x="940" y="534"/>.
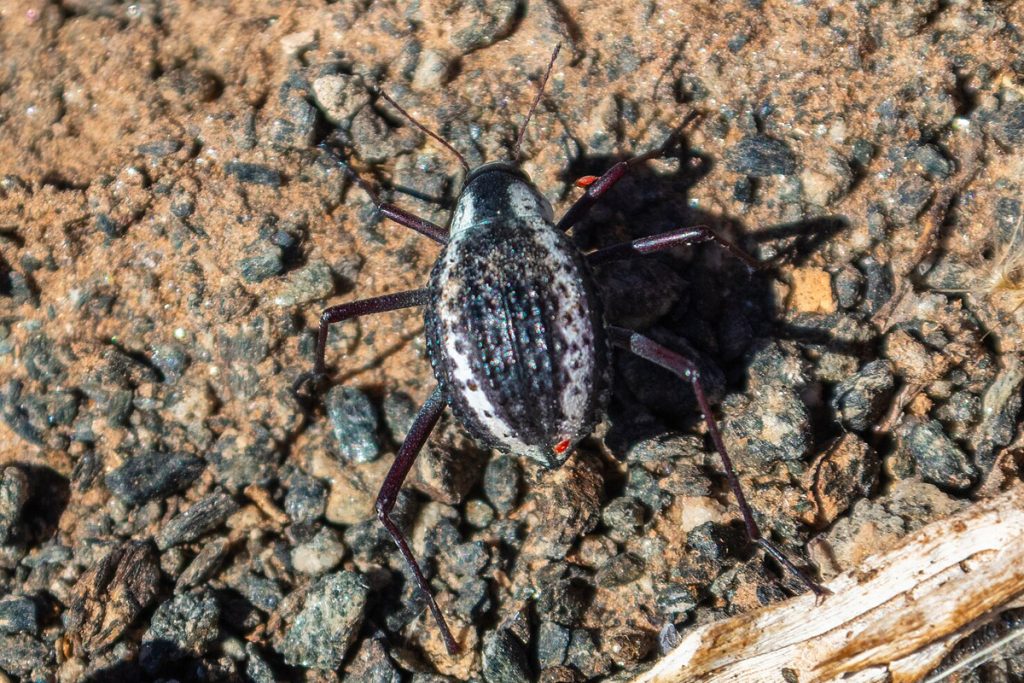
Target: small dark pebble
<point x="14" y="493"/>
<point x="399" y="412"/>
<point x="266" y="262"/>
<point x="353" y="419"/>
<point x="585" y="656"/>
<point x="552" y="644"/>
<point x="18" y="614"/>
<point x="161" y="148"/>
<point x="184" y="626"/>
<point x="204" y="565"/>
<point x="619" y="570"/>
<point x="502" y="479"/>
<point x="473" y="600"/>
<point x="623" y="517"/>
<point x="171" y="359"/>
<point x="21" y="653"/>
<point x="504" y="658"/>
<point x="858" y="401"/>
<point x="910" y="199"/>
<point x="939" y="460"/>
<point x="760" y="156"/>
<point x="677" y="599"/>
<point x="775" y="427"/>
<point x="244" y="456"/>
<point x="1007" y="126"/>
<point x="257" y="174"/>
<point x="711" y="541"/>
<point x="564" y="594"/>
<point x="153" y="476"/>
<point x="327" y="626"/>
<point x="933" y="162"/>
<point x="256" y="668"/>
<point x="306" y="499"/>
<point x="203" y="517"/>
<point x="261" y="592"/>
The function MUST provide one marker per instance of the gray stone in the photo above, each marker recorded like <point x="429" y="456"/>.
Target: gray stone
<point x="328" y="624"/>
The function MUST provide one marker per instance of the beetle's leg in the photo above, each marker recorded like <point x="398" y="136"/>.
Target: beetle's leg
<point x="400" y="216"/>
<point x="667" y="240"/>
<point x="418" y="433"/>
<point x="354" y="309"/>
<point x="686" y="369"/>
<point x="598" y="186"/>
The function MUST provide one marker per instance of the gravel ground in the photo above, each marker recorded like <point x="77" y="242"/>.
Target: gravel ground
<point x="169" y="232"/>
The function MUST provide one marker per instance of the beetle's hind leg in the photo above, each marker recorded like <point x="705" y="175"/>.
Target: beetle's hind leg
<point x="421" y="428"/>
<point x="347" y="311"/>
<point x="668" y="240"/>
<point x="686" y="369"/>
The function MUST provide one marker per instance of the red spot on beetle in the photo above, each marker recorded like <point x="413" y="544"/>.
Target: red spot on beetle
<point x="561" y="446"/>
<point x="586" y="181"/>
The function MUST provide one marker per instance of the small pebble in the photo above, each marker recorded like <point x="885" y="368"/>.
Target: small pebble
<point x="939" y="460"/>
<point x="353" y="419"/>
<point x="502" y="480"/>
<point x="256" y="174"/>
<point x="186" y="625"/>
<point x="845" y="471"/>
<point x="153" y="476"/>
<point x="760" y="156"/>
<point x="623" y="517"/>
<point x="21" y="654"/>
<point x="201" y="518"/>
<point x="312" y="283"/>
<point x="18" y="614"/>
<point x="504" y="658"/>
<point x="619" y="570"/>
<point x="265" y="263"/>
<point x="860" y="400"/>
<point x="14" y="493"/>
<point x="204" y="565"/>
<point x="306" y="499"/>
<point x="552" y="644"/>
<point x="320" y="554"/>
<point x="340" y="97"/>
<point x="774" y="427"/>
<point x="329" y="622"/>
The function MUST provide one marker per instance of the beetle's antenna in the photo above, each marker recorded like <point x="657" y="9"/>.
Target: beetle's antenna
<point x="536" y="101"/>
<point x="462" y="159"/>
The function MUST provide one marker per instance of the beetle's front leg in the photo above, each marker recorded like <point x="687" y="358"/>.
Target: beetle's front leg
<point x="596" y="187"/>
<point x="347" y="311"/>
<point x="421" y="428"/>
<point x="686" y="369"/>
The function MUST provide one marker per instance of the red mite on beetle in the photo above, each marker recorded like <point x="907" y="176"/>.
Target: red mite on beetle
<point x="514" y="328"/>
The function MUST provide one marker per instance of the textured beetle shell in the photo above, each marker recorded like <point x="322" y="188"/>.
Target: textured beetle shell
<point x="514" y="327"/>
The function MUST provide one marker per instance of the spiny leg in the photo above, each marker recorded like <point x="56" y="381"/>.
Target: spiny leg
<point x="421" y="428"/>
<point x="596" y="187"/>
<point x="667" y="240"/>
<point x="400" y="216"/>
<point x="686" y="369"/>
<point x="354" y="309"/>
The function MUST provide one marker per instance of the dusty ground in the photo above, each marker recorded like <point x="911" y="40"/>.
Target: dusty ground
<point x="169" y="232"/>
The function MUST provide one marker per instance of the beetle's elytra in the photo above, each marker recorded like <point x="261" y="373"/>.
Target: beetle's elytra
<point x="514" y="328"/>
<point x="513" y="313"/>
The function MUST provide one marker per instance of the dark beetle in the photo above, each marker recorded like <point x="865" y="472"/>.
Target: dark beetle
<point x="514" y="328"/>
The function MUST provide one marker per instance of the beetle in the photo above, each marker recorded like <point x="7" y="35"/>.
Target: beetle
<point x="514" y="328"/>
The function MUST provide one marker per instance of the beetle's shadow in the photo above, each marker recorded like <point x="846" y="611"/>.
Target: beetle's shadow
<point x="719" y="312"/>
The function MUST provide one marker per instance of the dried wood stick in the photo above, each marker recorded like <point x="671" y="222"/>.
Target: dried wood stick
<point x="891" y="619"/>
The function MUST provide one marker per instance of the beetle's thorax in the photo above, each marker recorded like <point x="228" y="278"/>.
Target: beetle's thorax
<point x="514" y="329"/>
<point x="497" y="192"/>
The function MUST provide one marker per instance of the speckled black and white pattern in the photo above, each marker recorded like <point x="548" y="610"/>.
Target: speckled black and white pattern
<point x="514" y="328"/>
